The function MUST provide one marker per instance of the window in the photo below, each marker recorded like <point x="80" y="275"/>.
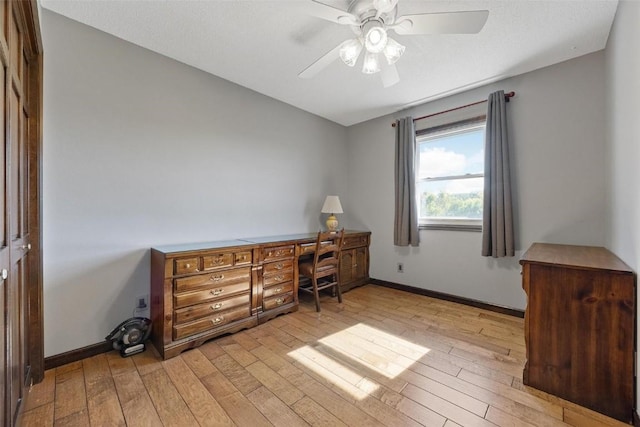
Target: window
<point x="450" y="179"/>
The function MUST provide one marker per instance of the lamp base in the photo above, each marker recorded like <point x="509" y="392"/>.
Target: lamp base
<point x="332" y="223"/>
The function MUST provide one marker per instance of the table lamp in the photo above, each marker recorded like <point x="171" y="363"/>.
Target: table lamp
<point x="332" y="206"/>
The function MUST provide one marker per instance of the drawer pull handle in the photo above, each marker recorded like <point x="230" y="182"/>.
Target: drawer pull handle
<point x="188" y="266"/>
<point x="278" y="290"/>
<point x="279" y="278"/>
<point x="217" y="320"/>
<point x="279" y="301"/>
<point x="219" y="260"/>
<point x="217" y="277"/>
<point x="216" y="292"/>
<point x="216" y="306"/>
<point x="279" y="266"/>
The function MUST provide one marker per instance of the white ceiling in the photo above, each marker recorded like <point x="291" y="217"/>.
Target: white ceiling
<point x="264" y="44"/>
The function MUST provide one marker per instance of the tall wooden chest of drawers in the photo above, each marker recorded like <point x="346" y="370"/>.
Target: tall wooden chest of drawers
<point x="580" y="326"/>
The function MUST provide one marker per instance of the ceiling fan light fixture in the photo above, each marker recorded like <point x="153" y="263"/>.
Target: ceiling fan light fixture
<point x="371" y="64"/>
<point x="393" y="51"/>
<point x="375" y="37"/>
<point x="384" y="6"/>
<point x="350" y="51"/>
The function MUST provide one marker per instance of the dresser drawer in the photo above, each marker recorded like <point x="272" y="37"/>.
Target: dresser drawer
<point x="277" y="278"/>
<point x="281" y="288"/>
<point x="307" y="248"/>
<point x="278" y="267"/>
<point x="186" y="265"/>
<point x="242" y="258"/>
<point x="194" y="312"/>
<point x="210" y="323"/>
<point x="214" y="293"/>
<point x="355" y="241"/>
<point x="276" y="301"/>
<point x="210" y="262"/>
<point x="310" y="248"/>
<point x="220" y="278"/>
<point x="277" y="252"/>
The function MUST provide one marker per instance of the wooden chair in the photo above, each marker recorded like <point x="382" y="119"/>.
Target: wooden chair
<point x="324" y="271"/>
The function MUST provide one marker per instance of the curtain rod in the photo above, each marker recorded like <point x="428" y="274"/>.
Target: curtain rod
<point x="506" y="98"/>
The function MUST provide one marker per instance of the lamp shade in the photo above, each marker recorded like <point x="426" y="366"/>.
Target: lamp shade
<point x="332" y="205"/>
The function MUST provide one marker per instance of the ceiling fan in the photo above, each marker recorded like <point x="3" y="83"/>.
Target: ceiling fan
<point x="371" y="21"/>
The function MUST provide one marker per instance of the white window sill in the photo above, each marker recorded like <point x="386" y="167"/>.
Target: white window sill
<point x="452" y="225"/>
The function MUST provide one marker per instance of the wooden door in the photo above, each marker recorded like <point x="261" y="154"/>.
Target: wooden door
<point x="5" y="294"/>
<point x="360" y="268"/>
<point x="346" y="266"/>
<point x="17" y="209"/>
<point x="20" y="272"/>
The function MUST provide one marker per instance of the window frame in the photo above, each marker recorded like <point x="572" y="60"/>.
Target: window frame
<point x="432" y="133"/>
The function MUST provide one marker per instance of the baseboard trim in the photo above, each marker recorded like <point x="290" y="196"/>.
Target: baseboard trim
<point x="103" y="347"/>
<point x="77" y="354"/>
<point x="452" y="298"/>
<point x="636" y="419"/>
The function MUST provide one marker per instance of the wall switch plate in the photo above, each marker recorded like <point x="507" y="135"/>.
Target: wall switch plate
<point x="400" y="267"/>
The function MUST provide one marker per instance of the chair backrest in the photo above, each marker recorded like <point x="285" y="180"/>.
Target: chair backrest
<point x="327" y="255"/>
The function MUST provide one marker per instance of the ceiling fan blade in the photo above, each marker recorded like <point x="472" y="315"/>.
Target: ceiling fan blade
<point x="330" y="13"/>
<point x="469" y="22"/>
<point x="321" y="63"/>
<point x="389" y="75"/>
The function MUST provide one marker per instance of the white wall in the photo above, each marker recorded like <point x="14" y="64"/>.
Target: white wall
<point x="623" y="133"/>
<point x="140" y="150"/>
<point x="557" y="129"/>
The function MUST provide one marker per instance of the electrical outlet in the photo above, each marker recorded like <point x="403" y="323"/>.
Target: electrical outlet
<point x="400" y="267"/>
<point x="142" y="302"/>
<point x="142" y="306"/>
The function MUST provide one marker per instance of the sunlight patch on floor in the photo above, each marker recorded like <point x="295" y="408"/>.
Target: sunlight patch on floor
<point x="364" y="345"/>
<point x="390" y="341"/>
<point x="377" y="350"/>
<point x="333" y="371"/>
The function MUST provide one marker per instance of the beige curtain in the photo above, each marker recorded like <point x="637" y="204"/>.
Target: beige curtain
<point x="406" y="216"/>
<point x="497" y="223"/>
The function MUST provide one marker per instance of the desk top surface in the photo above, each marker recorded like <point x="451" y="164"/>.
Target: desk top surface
<point x="588" y="257"/>
<point x="252" y="241"/>
<point x="282" y="238"/>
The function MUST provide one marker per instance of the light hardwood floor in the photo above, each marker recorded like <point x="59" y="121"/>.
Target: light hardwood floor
<point x="383" y="357"/>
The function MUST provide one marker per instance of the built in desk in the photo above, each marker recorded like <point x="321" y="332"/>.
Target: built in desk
<point x="203" y="290"/>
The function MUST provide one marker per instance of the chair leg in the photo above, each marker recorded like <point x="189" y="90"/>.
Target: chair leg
<point x="316" y="295"/>
<point x="339" y="291"/>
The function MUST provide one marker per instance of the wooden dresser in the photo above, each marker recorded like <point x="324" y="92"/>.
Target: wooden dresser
<point x="580" y="326"/>
<point x="203" y="290"/>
